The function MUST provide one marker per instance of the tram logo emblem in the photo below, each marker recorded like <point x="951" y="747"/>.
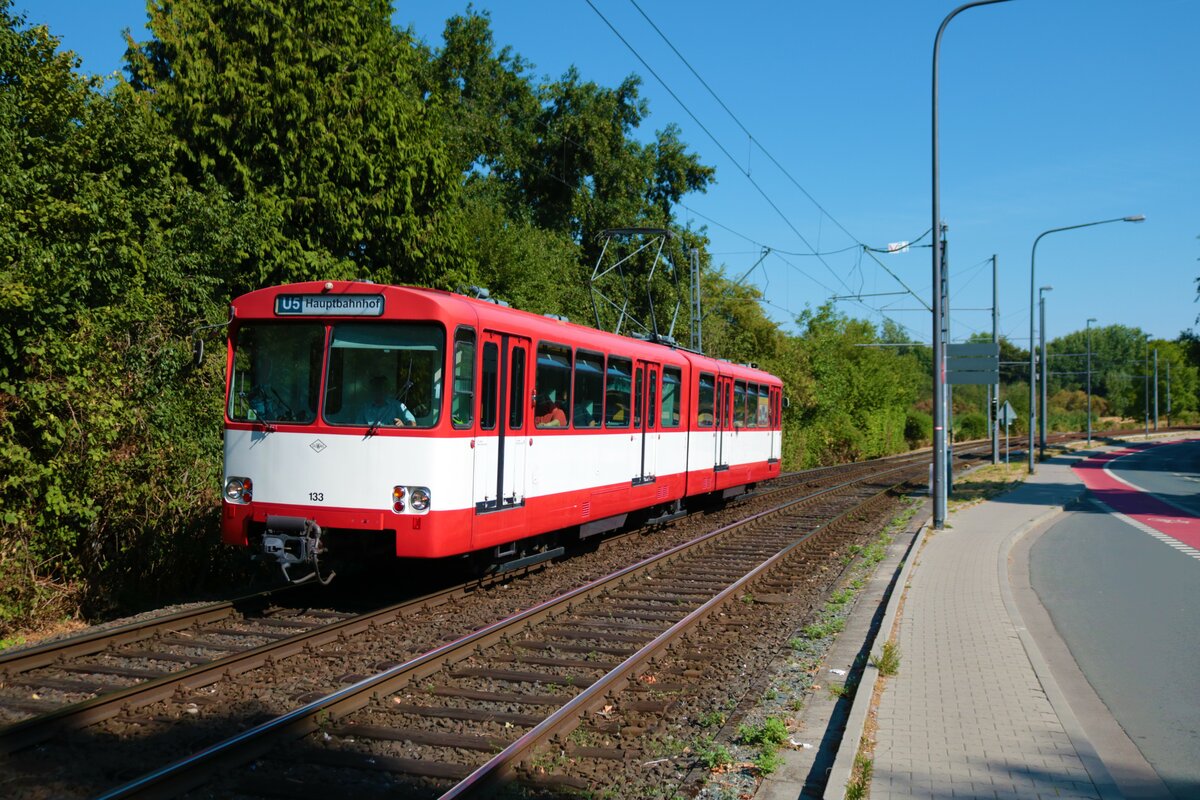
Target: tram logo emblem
<point x="317" y="445"/>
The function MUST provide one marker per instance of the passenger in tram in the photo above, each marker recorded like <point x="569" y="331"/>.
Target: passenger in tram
<point x="547" y="414"/>
<point x="384" y="408"/>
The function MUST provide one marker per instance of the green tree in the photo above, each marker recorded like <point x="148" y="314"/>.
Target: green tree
<point x="311" y="111"/>
<point x="860" y="394"/>
<point x="109" y="443"/>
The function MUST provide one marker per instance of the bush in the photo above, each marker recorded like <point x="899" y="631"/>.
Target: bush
<point x="971" y="426"/>
<point x="918" y="428"/>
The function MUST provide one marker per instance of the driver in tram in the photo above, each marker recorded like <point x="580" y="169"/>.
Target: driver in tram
<point x="384" y="408"/>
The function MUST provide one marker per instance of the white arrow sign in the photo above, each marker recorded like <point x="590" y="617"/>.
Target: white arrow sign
<point x="1007" y="415"/>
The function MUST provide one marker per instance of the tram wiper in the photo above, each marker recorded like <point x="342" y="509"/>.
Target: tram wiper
<point x="373" y="428"/>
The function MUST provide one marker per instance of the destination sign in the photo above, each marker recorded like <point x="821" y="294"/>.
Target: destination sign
<point x="320" y="305"/>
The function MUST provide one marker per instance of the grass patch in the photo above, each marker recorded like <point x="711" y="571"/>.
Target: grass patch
<point x="985" y="483"/>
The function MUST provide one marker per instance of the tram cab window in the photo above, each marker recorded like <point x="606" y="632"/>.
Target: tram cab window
<point x="276" y="373"/>
<point x="764" y="406"/>
<point x="704" y="408"/>
<point x="463" y="399"/>
<point x="618" y="384"/>
<point x="553" y="386"/>
<point x="672" y="382"/>
<point x="739" y="404"/>
<point x="589" y="389"/>
<point x="385" y="374"/>
<point x="752" y="405"/>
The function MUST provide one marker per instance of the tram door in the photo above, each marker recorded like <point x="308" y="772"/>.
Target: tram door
<point x="645" y="420"/>
<point x="502" y="446"/>
<point x="724" y="422"/>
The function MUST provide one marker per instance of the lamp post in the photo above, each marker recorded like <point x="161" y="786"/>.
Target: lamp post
<point x="1156" y="390"/>
<point x="1089" y="379"/>
<point x="1042" y="325"/>
<point x="1032" y="351"/>
<point x="939" y="355"/>
<point x="1146" y="386"/>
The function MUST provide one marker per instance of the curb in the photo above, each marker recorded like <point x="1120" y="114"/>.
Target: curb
<point x="856" y="722"/>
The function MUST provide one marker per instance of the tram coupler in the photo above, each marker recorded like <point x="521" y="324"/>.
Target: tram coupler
<point x="294" y="540"/>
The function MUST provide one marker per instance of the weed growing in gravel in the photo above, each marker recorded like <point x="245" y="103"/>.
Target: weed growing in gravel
<point x="841" y="597"/>
<point x="712" y="719"/>
<point x="767" y="762"/>
<point x="888" y="659"/>
<point x="824" y="629"/>
<point x="772" y="732"/>
<point x="711" y="754"/>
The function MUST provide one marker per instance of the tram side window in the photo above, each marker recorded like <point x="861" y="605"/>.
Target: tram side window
<point x="637" y="398"/>
<point x="764" y="406"/>
<point x="516" y="390"/>
<point x="652" y="402"/>
<point x="385" y="374"/>
<point x="489" y="381"/>
<point x="739" y="404"/>
<point x="704" y="408"/>
<point x="617" y="386"/>
<point x="553" y="386"/>
<point x="462" y="406"/>
<point x="589" y="389"/>
<point x="752" y="405"/>
<point x="671" y="384"/>
<point x="276" y="373"/>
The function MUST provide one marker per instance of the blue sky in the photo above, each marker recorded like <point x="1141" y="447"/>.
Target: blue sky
<point x="1053" y="113"/>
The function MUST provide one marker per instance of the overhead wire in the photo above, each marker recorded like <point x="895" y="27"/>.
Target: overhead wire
<point x="774" y="206"/>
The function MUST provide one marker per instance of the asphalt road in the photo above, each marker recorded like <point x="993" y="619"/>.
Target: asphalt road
<point x="1128" y="607"/>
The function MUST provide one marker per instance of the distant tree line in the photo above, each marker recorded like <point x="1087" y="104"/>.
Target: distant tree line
<point x="249" y="145"/>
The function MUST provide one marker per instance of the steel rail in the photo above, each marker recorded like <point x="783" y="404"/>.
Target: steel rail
<point x="93" y="642"/>
<point x="190" y="772"/>
<point x="71" y="716"/>
<point x="566" y="718"/>
<point x="26" y="733"/>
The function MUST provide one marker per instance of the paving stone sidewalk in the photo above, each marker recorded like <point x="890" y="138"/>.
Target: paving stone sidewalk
<point x="968" y="716"/>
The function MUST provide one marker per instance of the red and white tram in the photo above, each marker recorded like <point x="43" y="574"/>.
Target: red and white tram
<point x="364" y="419"/>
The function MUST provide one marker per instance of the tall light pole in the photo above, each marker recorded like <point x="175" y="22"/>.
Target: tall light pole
<point x="994" y="401"/>
<point x="1168" y="392"/>
<point x="1156" y="390"/>
<point x="1032" y="351"/>
<point x="1146" y="386"/>
<point x="939" y="355"/>
<point x="1042" y="324"/>
<point x="1089" y="379"/>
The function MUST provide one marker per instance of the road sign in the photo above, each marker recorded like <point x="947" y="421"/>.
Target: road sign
<point x="973" y="363"/>
<point x="1007" y="415"/>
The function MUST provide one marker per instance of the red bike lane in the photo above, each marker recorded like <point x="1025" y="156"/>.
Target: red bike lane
<point x="1139" y="505"/>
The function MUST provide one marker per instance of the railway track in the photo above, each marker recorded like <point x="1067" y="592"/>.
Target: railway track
<point x="191" y="677"/>
<point x="471" y="710"/>
<point x="78" y="681"/>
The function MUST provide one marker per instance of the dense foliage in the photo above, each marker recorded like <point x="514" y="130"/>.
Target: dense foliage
<point x="257" y="143"/>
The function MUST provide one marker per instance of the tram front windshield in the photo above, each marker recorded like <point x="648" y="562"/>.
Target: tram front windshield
<point x="380" y="374"/>
<point x="385" y="374"/>
<point x="276" y="372"/>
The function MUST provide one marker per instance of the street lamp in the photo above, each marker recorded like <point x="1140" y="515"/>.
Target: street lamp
<point x="1032" y="351"/>
<point x="1042" y="324"/>
<point x="1146" y="386"/>
<point x="939" y="355"/>
<point x="1089" y="379"/>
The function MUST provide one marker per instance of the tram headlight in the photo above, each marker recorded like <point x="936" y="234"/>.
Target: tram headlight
<point x="398" y="495"/>
<point x="239" y="490"/>
<point x="419" y="498"/>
